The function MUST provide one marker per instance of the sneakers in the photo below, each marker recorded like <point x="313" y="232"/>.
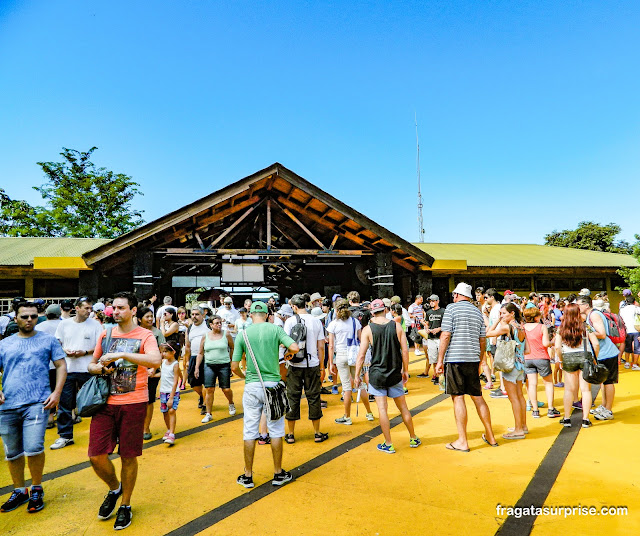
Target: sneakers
<point x="540" y="405"/>
<point x="406" y="391"/>
<point x="553" y="413"/>
<point x="418" y="352"/>
<point x="36" y="502"/>
<point x="635" y="367"/>
<point x="422" y="375"/>
<point x="593" y="411"/>
<point x="344" y="420"/>
<point x="281" y="478"/>
<point x="123" y="519"/>
<point x="372" y="398"/>
<point x="577" y="405"/>
<point x="201" y="402"/>
<point x="61" y="442"/>
<point x="207" y="418"/>
<point x="565" y="422"/>
<point x="170" y="439"/>
<point x="232" y="409"/>
<point x="627" y="365"/>
<point x="586" y="423"/>
<point x="370" y="416"/>
<point x="535" y="414"/>
<point x="559" y="384"/>
<point x="435" y="380"/>
<point x="146" y="436"/>
<point x="498" y="393"/>
<point x="414" y="442"/>
<point x="388" y="449"/>
<point x="604" y="415"/>
<point x="203" y="411"/>
<point x="246" y="481"/>
<point x="109" y="504"/>
<point x="334" y="390"/>
<point x="17" y="499"/>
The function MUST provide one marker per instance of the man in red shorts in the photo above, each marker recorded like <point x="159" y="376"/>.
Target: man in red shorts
<point x="125" y="353"/>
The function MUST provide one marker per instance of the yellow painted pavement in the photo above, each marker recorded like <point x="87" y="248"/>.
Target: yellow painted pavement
<point x="424" y="490"/>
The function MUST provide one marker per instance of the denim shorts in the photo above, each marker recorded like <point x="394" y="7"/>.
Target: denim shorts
<point x="22" y="430"/>
<point x="392" y="392"/>
<point x="164" y="401"/>
<point x="221" y="371"/>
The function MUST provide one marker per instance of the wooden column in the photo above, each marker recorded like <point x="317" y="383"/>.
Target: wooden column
<point x="383" y="279"/>
<point x="425" y="284"/>
<point x="143" y="275"/>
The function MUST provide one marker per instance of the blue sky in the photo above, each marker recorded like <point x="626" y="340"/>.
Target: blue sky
<point x="532" y="107"/>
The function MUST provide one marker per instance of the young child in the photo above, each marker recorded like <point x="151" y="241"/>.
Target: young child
<point x="169" y="390"/>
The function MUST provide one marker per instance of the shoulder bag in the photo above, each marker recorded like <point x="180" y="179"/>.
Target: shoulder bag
<point x="593" y="371"/>
<point x="505" y="358"/>
<point x="275" y="398"/>
<point x="93" y="395"/>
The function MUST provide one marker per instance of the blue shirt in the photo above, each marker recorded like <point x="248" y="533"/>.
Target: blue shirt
<point x="607" y="348"/>
<point x="25" y="362"/>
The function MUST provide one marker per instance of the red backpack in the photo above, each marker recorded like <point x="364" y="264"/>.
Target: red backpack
<point x="615" y="327"/>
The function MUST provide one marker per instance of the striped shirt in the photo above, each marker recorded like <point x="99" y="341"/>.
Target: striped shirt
<point x="418" y="314"/>
<point x="465" y="323"/>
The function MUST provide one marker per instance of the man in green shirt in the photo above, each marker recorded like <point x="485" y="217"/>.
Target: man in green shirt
<point x="265" y="340"/>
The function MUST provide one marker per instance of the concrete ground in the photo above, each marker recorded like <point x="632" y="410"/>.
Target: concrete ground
<point x="346" y="486"/>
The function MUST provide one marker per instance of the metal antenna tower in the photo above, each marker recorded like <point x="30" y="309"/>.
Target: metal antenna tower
<point x="420" y="219"/>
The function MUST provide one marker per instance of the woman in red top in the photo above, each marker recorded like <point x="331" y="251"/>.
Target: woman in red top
<point x="538" y="362"/>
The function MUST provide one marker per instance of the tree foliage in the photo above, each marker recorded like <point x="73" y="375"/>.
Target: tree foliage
<point x="590" y="235"/>
<point x="632" y="275"/>
<point x="81" y="200"/>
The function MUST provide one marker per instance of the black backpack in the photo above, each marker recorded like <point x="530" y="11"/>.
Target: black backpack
<point x="361" y="314"/>
<point x="299" y="335"/>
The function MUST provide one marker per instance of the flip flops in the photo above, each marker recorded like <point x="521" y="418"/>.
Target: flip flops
<point x="512" y="435"/>
<point x="449" y="446"/>
<point x="484" y="438"/>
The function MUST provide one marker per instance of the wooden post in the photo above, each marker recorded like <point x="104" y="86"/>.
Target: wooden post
<point x="268" y="223"/>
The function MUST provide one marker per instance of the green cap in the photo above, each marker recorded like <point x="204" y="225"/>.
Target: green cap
<point x="259" y="307"/>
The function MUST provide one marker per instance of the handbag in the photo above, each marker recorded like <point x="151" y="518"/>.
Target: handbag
<point x="275" y="398"/>
<point x="593" y="371"/>
<point x="93" y="395"/>
<point x="505" y="358"/>
<point x="353" y="346"/>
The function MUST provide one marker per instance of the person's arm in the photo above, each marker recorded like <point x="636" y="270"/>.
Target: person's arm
<point x="235" y="368"/>
<point x="200" y="357"/>
<point x="150" y="358"/>
<point x="598" y="326"/>
<point x="546" y="342"/>
<point x="483" y="348"/>
<point x="595" y="344"/>
<point x="238" y="353"/>
<point x="405" y="353"/>
<point x="173" y="328"/>
<point x="176" y="379"/>
<point x="231" y="344"/>
<point x="364" y="346"/>
<point x="61" y="375"/>
<point x="497" y="329"/>
<point x="332" y="342"/>
<point x="445" y="339"/>
<point x="558" y="347"/>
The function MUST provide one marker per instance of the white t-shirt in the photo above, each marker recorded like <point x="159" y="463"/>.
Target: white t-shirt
<point x="343" y="330"/>
<point x="195" y="337"/>
<point x="315" y="333"/>
<point x="79" y="336"/>
<point x="494" y="316"/>
<point x="628" y="314"/>
<point x="4" y="321"/>
<point x="229" y="316"/>
<point x="277" y="321"/>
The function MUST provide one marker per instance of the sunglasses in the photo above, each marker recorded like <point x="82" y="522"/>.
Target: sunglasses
<point x="26" y="317"/>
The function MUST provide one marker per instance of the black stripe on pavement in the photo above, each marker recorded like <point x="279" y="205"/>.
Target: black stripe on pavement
<point x="246" y="499"/>
<point x="84" y="465"/>
<point x="543" y="480"/>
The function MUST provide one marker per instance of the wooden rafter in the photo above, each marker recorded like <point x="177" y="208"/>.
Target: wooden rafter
<point x="333" y="242"/>
<point x="234" y="225"/>
<point x="268" y="223"/>
<point x="287" y="236"/>
<point x="263" y="252"/>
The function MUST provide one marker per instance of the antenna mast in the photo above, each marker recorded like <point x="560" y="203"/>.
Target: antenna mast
<point x="420" y="220"/>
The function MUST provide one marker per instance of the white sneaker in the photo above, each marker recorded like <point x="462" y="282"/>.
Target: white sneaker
<point x="418" y="352"/>
<point x="627" y="365"/>
<point x="344" y="420"/>
<point x="60" y="443"/>
<point x="604" y="415"/>
<point x="599" y="409"/>
<point x="207" y="418"/>
<point x="232" y="409"/>
<point x="370" y="416"/>
<point x="635" y="367"/>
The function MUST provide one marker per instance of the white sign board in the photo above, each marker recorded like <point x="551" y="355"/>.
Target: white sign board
<point x="242" y="273"/>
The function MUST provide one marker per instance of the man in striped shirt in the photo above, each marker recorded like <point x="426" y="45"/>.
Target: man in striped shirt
<point x="462" y="346"/>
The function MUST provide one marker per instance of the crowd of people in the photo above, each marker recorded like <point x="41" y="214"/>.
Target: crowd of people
<point x="49" y="353"/>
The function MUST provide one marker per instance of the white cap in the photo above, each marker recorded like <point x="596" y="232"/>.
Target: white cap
<point x="98" y="306"/>
<point x="584" y="292"/>
<point x="316" y="312"/>
<point x="464" y="290"/>
<point x="228" y="300"/>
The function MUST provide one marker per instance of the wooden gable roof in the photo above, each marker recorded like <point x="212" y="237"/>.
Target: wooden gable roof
<point x="273" y="210"/>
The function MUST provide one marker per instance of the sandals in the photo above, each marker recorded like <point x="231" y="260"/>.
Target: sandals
<point x="289" y="439"/>
<point x="484" y="438"/>
<point x="320" y="437"/>
<point x="512" y="435"/>
<point x="450" y="446"/>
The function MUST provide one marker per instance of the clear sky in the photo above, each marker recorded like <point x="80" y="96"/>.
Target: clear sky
<point x="528" y="112"/>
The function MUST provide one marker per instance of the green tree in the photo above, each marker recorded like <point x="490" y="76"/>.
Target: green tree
<point x="81" y="200"/>
<point x="632" y="275"/>
<point x="590" y="235"/>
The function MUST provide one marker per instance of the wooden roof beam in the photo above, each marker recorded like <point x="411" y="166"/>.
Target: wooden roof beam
<point x="303" y="227"/>
<point x="234" y="225"/>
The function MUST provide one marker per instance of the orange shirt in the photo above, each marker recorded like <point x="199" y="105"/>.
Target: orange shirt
<point x="129" y="381"/>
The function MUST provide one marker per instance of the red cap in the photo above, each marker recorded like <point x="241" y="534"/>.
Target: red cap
<point x="377" y="305"/>
<point x="507" y="292"/>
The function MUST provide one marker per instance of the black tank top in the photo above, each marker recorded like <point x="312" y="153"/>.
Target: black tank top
<point x="386" y="355"/>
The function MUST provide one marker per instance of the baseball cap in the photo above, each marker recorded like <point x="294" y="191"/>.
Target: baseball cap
<point x="316" y="312"/>
<point x="387" y="302"/>
<point x="335" y="297"/>
<point x="229" y="300"/>
<point x="434" y="297"/>
<point x="53" y="309"/>
<point x="316" y="296"/>
<point x="584" y="292"/>
<point x="627" y="292"/>
<point x="285" y="310"/>
<point x="256" y="306"/>
<point x="377" y="306"/>
<point x="38" y="301"/>
<point x="465" y="290"/>
<point x="66" y="305"/>
<point x="98" y="306"/>
<point x="506" y="292"/>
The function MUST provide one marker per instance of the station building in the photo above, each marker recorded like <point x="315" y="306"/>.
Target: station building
<point x="276" y="230"/>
